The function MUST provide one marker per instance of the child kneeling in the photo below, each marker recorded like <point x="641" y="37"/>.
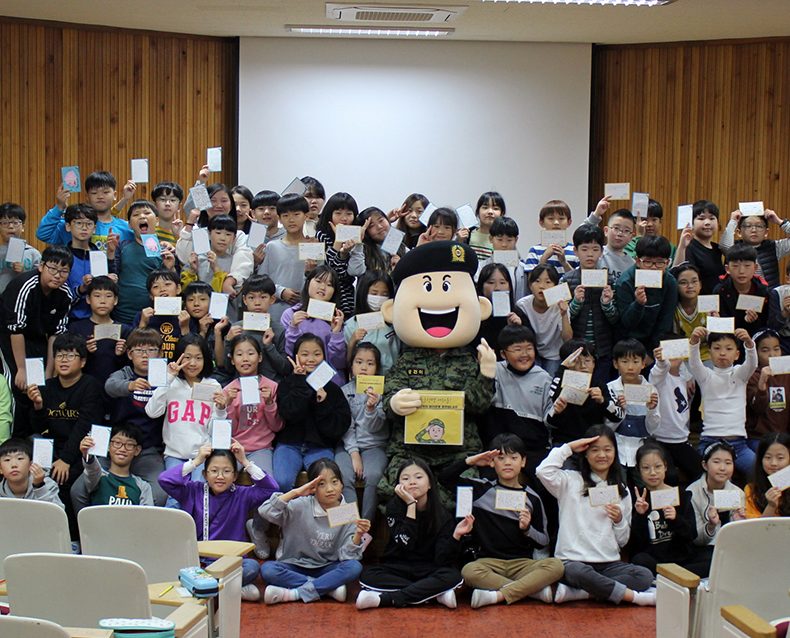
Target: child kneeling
<point x="316" y="559"/>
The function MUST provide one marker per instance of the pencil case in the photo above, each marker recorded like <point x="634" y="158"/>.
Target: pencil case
<point x="198" y="582"/>
<point x="139" y="627"/>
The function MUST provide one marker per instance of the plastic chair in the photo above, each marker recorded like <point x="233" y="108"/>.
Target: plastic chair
<point x="739" y="622"/>
<point x="13" y="627"/>
<point x="751" y="567"/>
<point x="78" y="591"/>
<point x="162" y="541"/>
<point x="31" y="526"/>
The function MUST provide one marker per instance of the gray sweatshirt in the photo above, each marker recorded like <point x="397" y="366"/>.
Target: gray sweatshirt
<point x="308" y="541"/>
<point x="368" y="429"/>
<point x="47" y="492"/>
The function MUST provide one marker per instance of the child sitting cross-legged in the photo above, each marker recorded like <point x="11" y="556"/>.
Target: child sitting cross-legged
<point x="506" y="570"/>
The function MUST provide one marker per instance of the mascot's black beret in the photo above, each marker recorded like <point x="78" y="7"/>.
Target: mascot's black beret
<point x="436" y="256"/>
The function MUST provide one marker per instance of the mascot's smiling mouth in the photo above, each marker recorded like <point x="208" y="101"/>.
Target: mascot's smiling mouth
<point x="438" y="323"/>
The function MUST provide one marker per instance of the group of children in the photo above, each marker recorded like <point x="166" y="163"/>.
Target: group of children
<point x="549" y="440"/>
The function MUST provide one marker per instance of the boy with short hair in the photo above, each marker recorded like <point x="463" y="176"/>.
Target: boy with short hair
<point x="522" y="398"/>
<point x="23" y="479"/>
<point x="754" y="232"/>
<point x="163" y="282"/>
<point x="80" y="223"/>
<point x="569" y="422"/>
<point x="213" y="267"/>
<point x="645" y="312"/>
<point x="64" y="410"/>
<point x="197" y="301"/>
<point x="35" y="308"/>
<point x="619" y="230"/>
<point x="639" y="420"/>
<point x="257" y="295"/>
<point x="723" y="391"/>
<point x="593" y="311"/>
<point x="506" y="570"/>
<point x="100" y="194"/>
<point x="503" y="235"/>
<point x="105" y="356"/>
<point x="282" y="263"/>
<point x="167" y="197"/>
<point x="12" y="224"/>
<point x="132" y="263"/>
<point x="131" y="392"/>
<point x="741" y="266"/>
<point x="115" y="485"/>
<point x="264" y="210"/>
<point x="779" y="311"/>
<point x="696" y="245"/>
<point x="650" y="225"/>
<point x="555" y="215"/>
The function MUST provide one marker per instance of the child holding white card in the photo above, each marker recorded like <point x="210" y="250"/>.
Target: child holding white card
<point x="504" y="236"/>
<point x="443" y="226"/>
<point x="363" y="453"/>
<point x="424" y="543"/>
<point x="20" y="477"/>
<point x="321" y="284"/>
<point x="619" y="230"/>
<point x="767" y="393"/>
<point x="264" y="211"/>
<point x="645" y="312"/>
<point x="590" y="539"/>
<point x="228" y="503"/>
<point x="317" y="559"/>
<point x="496" y="278"/>
<point x="163" y="282"/>
<point x="718" y="462"/>
<point x="346" y="258"/>
<point x="723" y="390"/>
<point x="568" y="421"/>
<point x="315" y="420"/>
<point x="551" y="324"/>
<point x="81" y="221"/>
<point x="696" y="245"/>
<point x="663" y="535"/>
<point x="754" y="232"/>
<point x="12" y="224"/>
<point x="167" y="197"/>
<point x="741" y="266"/>
<point x="762" y="497"/>
<point x="409" y="218"/>
<point x="242" y="198"/>
<point x="195" y="317"/>
<point x="373" y="289"/>
<point x="372" y="238"/>
<point x="555" y="215"/>
<point x="687" y="317"/>
<point x="675" y="389"/>
<point x="505" y="569"/>
<point x="186" y="426"/>
<point x="115" y="485"/>
<point x="490" y="206"/>
<point x="650" y="225"/>
<point x="640" y="418"/>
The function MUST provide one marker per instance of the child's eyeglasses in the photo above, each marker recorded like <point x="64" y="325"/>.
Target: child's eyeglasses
<point x="215" y="472"/>
<point x="57" y="272"/>
<point x="10" y="223"/>
<point x="126" y="445"/>
<point x="649" y="263"/>
<point x="66" y="356"/>
<point x="753" y="227"/>
<point x="150" y="352"/>
<point x="84" y="225"/>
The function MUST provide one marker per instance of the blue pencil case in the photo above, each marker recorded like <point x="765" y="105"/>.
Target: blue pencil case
<point x="139" y="627"/>
<point x="198" y="582"/>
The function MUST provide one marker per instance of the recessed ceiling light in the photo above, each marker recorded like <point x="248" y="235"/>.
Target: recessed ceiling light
<point x="369" y="31"/>
<point x="624" y="3"/>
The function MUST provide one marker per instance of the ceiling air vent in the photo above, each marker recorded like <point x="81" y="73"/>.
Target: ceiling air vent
<point x="382" y="13"/>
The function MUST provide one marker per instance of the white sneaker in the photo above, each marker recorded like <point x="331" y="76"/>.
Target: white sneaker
<point x="566" y="594"/>
<point x="544" y="595"/>
<point x="250" y="593"/>
<point x="368" y="599"/>
<point x="258" y="537"/>
<point x="273" y="595"/>
<point x="483" y="597"/>
<point x="447" y="599"/>
<point x="339" y="594"/>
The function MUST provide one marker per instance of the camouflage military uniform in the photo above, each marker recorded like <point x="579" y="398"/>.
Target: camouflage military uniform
<point x="426" y="369"/>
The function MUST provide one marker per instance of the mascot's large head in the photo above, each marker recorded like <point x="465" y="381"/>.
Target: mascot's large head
<point x="436" y="304"/>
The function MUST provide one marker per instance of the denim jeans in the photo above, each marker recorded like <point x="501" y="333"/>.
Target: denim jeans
<point x="290" y="459"/>
<point x="311" y="583"/>
<point x="197" y="475"/>
<point x="744" y="457"/>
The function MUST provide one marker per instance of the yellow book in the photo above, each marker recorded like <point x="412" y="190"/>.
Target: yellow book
<point x="439" y="421"/>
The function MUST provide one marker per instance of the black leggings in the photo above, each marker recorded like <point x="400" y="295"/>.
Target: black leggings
<point x="402" y="585"/>
<point x="698" y="562"/>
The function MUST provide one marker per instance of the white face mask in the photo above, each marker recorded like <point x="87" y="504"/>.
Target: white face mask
<point x="375" y="302"/>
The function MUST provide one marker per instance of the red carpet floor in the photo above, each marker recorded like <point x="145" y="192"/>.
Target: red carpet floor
<point x="526" y="619"/>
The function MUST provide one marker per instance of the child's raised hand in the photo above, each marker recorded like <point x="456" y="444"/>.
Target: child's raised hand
<point x="204" y="174"/>
<point x="168" y="256"/>
<point x="203" y="452"/>
<point x="205" y="323"/>
<point x="614" y="512"/>
<point x="713" y="516"/>
<point x="559" y="405"/>
<point x="120" y="347"/>
<point x="363" y="526"/>
<point x="145" y="317"/>
<point x="320" y="395"/>
<point x="177" y="225"/>
<point x="298" y="317"/>
<point x="572" y="358"/>
<point x="85" y="445"/>
<point x="34" y="394"/>
<point x="641" y="505"/>
<point x="741" y="334"/>
<point x="685" y="237"/>
<point x="596" y="394"/>
<point x="651" y="405"/>
<point x="765" y="374"/>
<point x="773" y="495"/>
<point x="372" y="401"/>
<point x="607" y="294"/>
<point x="396" y="213"/>
<point x="211" y="258"/>
<point x="580" y="445"/>
<point x="641" y="225"/>
<point x="464" y="527"/>
<point x="37" y="472"/>
<point x="62" y="196"/>
<point x="174" y="367"/>
<point x="337" y="321"/>
<point x="183" y="321"/>
<point x="739" y="514"/>
<point x="400" y="492"/>
<point x="524" y="519"/>
<point x="268" y="336"/>
<point x="308" y="488"/>
<point x="359" y="333"/>
<point x="621" y="402"/>
<point x="513" y="319"/>
<point x="113" y="239"/>
<point x="239" y="452"/>
<point x="697" y="335"/>
<point x="220" y="399"/>
<point x="259" y="254"/>
<point x="603" y="206"/>
<point x="735" y="215"/>
<point x="428" y="236"/>
<point x="462" y="235"/>
<point x="234" y="332"/>
<point x="670" y="513"/>
<point x="18" y="266"/>
<point x="486" y="358"/>
<point x="232" y="393"/>
<point x="578" y="293"/>
<point x="484" y="459"/>
<point x="128" y="190"/>
<point x="771" y="216"/>
<point x="298" y="367"/>
<point x="139" y="384"/>
<point x="309" y="266"/>
<point x="193" y="216"/>
<point x="657" y="352"/>
<point x="641" y="295"/>
<point x="266" y="393"/>
<point x="751" y="316"/>
<point x="394" y="259"/>
<point x="221" y="325"/>
<point x="563" y="305"/>
<point x="92" y="345"/>
<point x="290" y="296"/>
<point x="193" y="262"/>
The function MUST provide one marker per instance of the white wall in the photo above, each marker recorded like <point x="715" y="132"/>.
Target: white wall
<point x="381" y="119"/>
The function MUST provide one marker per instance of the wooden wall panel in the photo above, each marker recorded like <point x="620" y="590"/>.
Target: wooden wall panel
<point x="97" y="98"/>
<point x="691" y="121"/>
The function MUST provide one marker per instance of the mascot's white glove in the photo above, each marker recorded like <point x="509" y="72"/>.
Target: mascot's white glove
<point x="486" y="357"/>
<point x="406" y="401"/>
